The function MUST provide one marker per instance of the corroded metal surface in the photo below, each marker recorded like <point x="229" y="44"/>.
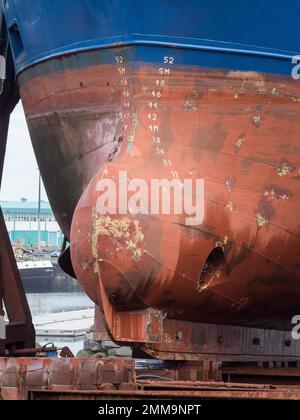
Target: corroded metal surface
<point x="279" y="393"/>
<point x="100" y="328"/>
<point x="52" y="378"/>
<point x="195" y="341"/>
<point x="18" y="375"/>
<point x="78" y="115"/>
<point x="236" y="130"/>
<point x="157" y="261"/>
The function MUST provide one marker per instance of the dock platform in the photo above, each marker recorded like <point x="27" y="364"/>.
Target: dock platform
<point x="64" y="324"/>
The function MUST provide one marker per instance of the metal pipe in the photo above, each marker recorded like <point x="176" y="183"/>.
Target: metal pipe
<point x="35" y="350"/>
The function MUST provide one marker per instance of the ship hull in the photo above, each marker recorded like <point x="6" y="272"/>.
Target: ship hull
<point x="162" y="90"/>
<point x="236" y="130"/>
<point x="47" y="278"/>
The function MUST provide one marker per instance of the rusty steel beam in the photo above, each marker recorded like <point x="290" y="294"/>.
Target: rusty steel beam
<point x="19" y="375"/>
<point x="195" y="341"/>
<point x="204" y="385"/>
<point x="19" y="331"/>
<point x="261" y="371"/>
<point x="266" y="394"/>
<point x="108" y="378"/>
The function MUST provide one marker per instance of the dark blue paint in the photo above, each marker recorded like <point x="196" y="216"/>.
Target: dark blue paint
<point x="137" y="55"/>
<point x="250" y="34"/>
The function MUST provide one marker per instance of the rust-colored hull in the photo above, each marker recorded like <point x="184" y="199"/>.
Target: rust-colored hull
<point x="236" y="130"/>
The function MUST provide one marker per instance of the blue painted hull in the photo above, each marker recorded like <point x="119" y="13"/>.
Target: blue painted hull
<point x="252" y="35"/>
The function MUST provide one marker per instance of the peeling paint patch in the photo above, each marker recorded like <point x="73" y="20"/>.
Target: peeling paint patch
<point x="190" y="106"/>
<point x="191" y="102"/>
<point x="264" y="212"/>
<point x="256" y="120"/>
<point x="115" y="150"/>
<point x="193" y="172"/>
<point x="230" y="183"/>
<point x="221" y="243"/>
<point x="132" y="133"/>
<point x="261" y="220"/>
<point x="230" y="206"/>
<point x="134" y="118"/>
<point x="278" y="193"/>
<point x="240" y="141"/>
<point x="125" y="229"/>
<point x="94" y="244"/>
<point x="201" y="285"/>
<point x="246" y="75"/>
<point x="284" y="169"/>
<point x="274" y="91"/>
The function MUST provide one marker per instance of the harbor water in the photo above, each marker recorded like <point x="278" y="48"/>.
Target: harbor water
<point x="50" y="303"/>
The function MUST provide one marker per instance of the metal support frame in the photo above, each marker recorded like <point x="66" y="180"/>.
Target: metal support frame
<point x="19" y="331"/>
<point x="109" y="378"/>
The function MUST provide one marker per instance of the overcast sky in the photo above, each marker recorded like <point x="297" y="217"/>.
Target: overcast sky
<point x="20" y="177"/>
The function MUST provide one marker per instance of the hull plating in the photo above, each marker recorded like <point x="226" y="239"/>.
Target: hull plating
<point x="237" y="130"/>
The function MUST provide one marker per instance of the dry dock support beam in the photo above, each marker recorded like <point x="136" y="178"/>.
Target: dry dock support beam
<point x="19" y="332"/>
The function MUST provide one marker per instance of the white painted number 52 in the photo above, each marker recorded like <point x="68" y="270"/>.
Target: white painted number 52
<point x="168" y="60"/>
